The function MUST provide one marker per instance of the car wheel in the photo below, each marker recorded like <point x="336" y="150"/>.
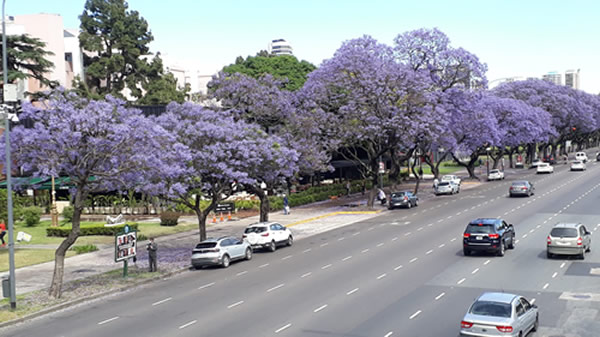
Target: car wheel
<point x="225" y="261"/>
<point x="549" y="255"/>
<point x="502" y="249"/>
<point x="272" y="246"/>
<point x="409" y="205"/>
<point x="290" y="241"/>
<point x="589" y="248"/>
<point x="512" y="243"/>
<point x="416" y="202"/>
<point x="248" y="254"/>
<point x="466" y="252"/>
<point x="536" y="324"/>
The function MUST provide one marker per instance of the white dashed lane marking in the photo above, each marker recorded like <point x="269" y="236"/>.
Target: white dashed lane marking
<point x="206" y="286"/>
<point x="439" y="296"/>
<point x="162" y="301"/>
<point x="415" y="314"/>
<point x="320" y="308"/>
<point x="188" y="324"/>
<point x="352" y="291"/>
<point x="283" y="328"/>
<point x="108" y="320"/>
<point x="275" y="287"/>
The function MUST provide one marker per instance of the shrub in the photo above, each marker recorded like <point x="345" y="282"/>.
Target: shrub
<point x="84" y="249"/>
<point x="141" y="237"/>
<point x="32" y="215"/>
<point x="67" y="214"/>
<point x="169" y="218"/>
<point x="88" y="230"/>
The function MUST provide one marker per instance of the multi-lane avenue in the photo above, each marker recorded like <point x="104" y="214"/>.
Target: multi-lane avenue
<point x="402" y="273"/>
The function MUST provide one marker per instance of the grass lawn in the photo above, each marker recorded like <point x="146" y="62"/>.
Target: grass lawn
<point x="445" y="168"/>
<point x="27" y="257"/>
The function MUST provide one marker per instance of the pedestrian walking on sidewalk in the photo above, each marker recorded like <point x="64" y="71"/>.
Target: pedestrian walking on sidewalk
<point x="435" y="183"/>
<point x="2" y="232"/>
<point x="286" y="205"/>
<point x="152" y="247"/>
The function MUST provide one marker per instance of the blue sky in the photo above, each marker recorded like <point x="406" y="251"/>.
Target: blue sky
<point x="515" y="38"/>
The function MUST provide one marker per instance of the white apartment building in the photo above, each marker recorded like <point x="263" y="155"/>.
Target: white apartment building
<point x="280" y="47"/>
<point x="572" y="79"/>
<point x="553" y="77"/>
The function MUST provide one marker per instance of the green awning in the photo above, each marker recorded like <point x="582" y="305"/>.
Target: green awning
<point x="60" y="183"/>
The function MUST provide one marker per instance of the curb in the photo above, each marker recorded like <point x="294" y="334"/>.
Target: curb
<point x="332" y="214"/>
<point x="87" y="298"/>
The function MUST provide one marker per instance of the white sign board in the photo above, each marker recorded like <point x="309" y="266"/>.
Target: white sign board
<point x="125" y="246"/>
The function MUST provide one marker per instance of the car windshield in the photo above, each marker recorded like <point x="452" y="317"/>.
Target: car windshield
<point x="519" y="183"/>
<point x="398" y="195"/>
<point x="564" y="232"/>
<point x="202" y="245"/>
<point x="480" y="229"/>
<point x="445" y="183"/>
<point x="495" y="309"/>
<point x="494" y="171"/>
<point x="255" y="229"/>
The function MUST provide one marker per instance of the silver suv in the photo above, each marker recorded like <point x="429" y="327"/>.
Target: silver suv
<point x="220" y="251"/>
<point x="569" y="239"/>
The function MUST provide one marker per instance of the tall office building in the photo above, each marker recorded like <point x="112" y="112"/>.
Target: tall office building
<point x="572" y="78"/>
<point x="280" y="47"/>
<point x="553" y="77"/>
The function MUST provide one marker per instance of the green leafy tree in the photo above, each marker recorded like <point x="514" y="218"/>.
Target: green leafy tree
<point x="26" y="58"/>
<point x="282" y="67"/>
<point x="161" y="87"/>
<point x="115" y="40"/>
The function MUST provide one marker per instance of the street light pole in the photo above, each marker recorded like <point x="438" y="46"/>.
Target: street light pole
<point x="11" y="241"/>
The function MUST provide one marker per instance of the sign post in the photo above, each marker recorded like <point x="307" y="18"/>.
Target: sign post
<point x="125" y="246"/>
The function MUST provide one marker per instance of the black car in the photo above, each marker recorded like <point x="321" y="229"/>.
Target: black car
<point x="549" y="159"/>
<point x="598" y="157"/>
<point x="405" y="199"/>
<point x="521" y="187"/>
<point x="488" y="235"/>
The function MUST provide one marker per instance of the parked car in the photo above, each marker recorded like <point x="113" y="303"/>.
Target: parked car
<point x="495" y="175"/>
<point x="521" y="187"/>
<point x="578" y="165"/>
<point x="268" y="235"/>
<point x="519" y="165"/>
<point x="568" y="239"/>
<point x="535" y="163"/>
<point x="220" y="251"/>
<point x="500" y="314"/>
<point x="405" y="199"/>
<point x="488" y="235"/>
<point x="545" y="168"/>
<point x="581" y="156"/>
<point x="549" y="159"/>
<point x="450" y="177"/>
<point x="447" y="187"/>
<point x="598" y="157"/>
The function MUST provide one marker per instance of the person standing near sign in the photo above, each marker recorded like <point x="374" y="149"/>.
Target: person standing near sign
<point x="152" y="247"/>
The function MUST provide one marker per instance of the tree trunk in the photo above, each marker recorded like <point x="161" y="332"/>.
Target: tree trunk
<point x="372" y="195"/>
<point x="470" y="166"/>
<point x="201" y="222"/>
<point x="264" y="201"/>
<point x="511" y="153"/>
<point x="59" y="256"/>
<point x="417" y="177"/>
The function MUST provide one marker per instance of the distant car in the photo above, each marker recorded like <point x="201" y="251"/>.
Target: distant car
<point x="598" y="157"/>
<point x="536" y="163"/>
<point x="544" y="168"/>
<point x="500" y="314"/>
<point x="581" y="156"/>
<point x="220" y="251"/>
<point x="549" y="159"/>
<point x="403" y="199"/>
<point x="447" y="187"/>
<point x="496" y="175"/>
<point x="488" y="235"/>
<point x="521" y="187"/>
<point x="519" y="164"/>
<point x="268" y="235"/>
<point x="568" y="239"/>
<point x="578" y="165"/>
<point x="450" y="177"/>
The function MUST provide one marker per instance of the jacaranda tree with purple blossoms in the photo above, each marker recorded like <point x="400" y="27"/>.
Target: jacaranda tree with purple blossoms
<point x="99" y="145"/>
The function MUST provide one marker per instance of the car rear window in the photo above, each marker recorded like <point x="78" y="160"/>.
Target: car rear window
<point x="444" y="183"/>
<point x="521" y="183"/>
<point x="255" y="229"/>
<point x="577" y="162"/>
<point x="477" y="229"/>
<point x="398" y="195"/>
<point x="564" y="232"/>
<point x="494" y="171"/>
<point x="203" y="245"/>
<point x="495" y="309"/>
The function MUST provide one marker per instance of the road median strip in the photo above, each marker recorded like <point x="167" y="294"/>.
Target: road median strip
<point x="332" y="214"/>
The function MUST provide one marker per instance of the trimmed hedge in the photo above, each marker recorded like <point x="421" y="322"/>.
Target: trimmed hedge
<point x="169" y="218"/>
<point x="88" y="230"/>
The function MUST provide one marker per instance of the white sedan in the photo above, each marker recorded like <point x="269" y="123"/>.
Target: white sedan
<point x="578" y="165"/>
<point x="496" y="175"/>
<point x="545" y="168"/>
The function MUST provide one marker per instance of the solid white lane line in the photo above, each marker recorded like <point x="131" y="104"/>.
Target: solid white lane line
<point x="206" y="286"/>
<point x="188" y="324"/>
<point x="429" y="252"/>
<point x="475" y="270"/>
<point x="554" y="275"/>
<point x="162" y="301"/>
<point x="439" y="296"/>
<point x="275" y="287"/>
<point x="283" y="328"/>
<point x="234" y="304"/>
<point x="415" y="314"/>
<point x="399" y="267"/>
<point x="307" y="250"/>
<point x="320" y="308"/>
<point x="108" y="320"/>
<point x="347" y="258"/>
<point x="305" y="275"/>
<point x="381" y="276"/>
<point x="365" y="250"/>
<point x="562" y="265"/>
<point x="286" y="257"/>
<point x="389" y="334"/>
<point x="442" y="245"/>
<point x="546" y="286"/>
<point x="461" y="280"/>
<point x="413" y="260"/>
<point x="241" y="273"/>
<point x="352" y="291"/>
<point x="326" y="266"/>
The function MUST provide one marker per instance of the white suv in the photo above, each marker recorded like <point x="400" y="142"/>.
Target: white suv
<point x="268" y="235"/>
<point x="581" y="156"/>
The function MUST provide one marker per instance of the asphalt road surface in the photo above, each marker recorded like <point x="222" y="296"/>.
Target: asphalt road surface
<point x="400" y="274"/>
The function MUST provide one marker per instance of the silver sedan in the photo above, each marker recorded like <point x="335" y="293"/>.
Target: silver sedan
<point x="500" y="314"/>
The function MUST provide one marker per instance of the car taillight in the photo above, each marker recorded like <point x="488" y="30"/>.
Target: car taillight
<point x="579" y="242"/>
<point x="494" y="236"/>
<point x="523" y="188"/>
<point x="503" y="328"/>
<point x="549" y="239"/>
<point x="405" y="198"/>
<point x="265" y="234"/>
<point x="465" y="324"/>
<point x="511" y="188"/>
<point x="466" y="235"/>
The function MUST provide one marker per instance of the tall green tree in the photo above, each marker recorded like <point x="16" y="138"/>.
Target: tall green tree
<point x="282" y="67"/>
<point x="26" y="58"/>
<point x="116" y="41"/>
<point x="161" y="87"/>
